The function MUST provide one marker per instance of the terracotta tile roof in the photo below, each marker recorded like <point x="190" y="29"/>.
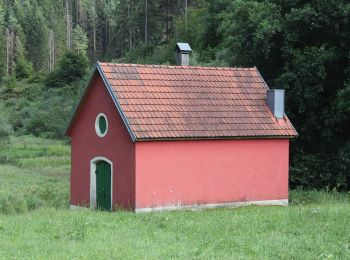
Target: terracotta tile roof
<point x="162" y="102"/>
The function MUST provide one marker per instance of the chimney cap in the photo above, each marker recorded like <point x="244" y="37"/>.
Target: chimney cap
<point x="183" y="47"/>
<point x="275" y="101"/>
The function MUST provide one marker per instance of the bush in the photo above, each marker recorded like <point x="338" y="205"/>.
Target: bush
<point x="71" y="68"/>
<point x="45" y="112"/>
<point x="37" y="77"/>
<point x="23" y="69"/>
<point x="11" y="83"/>
<point x="316" y="171"/>
<point x="5" y="129"/>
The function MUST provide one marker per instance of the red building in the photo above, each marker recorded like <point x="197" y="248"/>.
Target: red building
<point x="147" y="137"/>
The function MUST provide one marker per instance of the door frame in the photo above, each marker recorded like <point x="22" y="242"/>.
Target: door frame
<point x="93" y="180"/>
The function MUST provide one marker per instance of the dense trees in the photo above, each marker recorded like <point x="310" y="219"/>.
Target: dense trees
<point x="302" y="46"/>
<point x="39" y="32"/>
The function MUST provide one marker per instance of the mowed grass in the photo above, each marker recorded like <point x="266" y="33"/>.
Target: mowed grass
<point x="316" y="225"/>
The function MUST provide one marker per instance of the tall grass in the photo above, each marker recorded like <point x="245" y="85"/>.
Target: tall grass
<point x="313" y="231"/>
<point x="34" y="173"/>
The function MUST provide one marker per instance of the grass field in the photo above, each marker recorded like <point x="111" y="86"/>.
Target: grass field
<point x="34" y="173"/>
<point x="35" y="222"/>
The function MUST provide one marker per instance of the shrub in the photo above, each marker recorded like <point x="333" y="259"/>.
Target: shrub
<point x="5" y="129"/>
<point x="71" y="68"/>
<point x="37" y="77"/>
<point x="45" y="112"/>
<point x="23" y="69"/>
<point x="11" y="83"/>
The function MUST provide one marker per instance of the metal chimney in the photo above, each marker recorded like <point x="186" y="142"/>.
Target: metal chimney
<point x="183" y="51"/>
<point x="275" y="101"/>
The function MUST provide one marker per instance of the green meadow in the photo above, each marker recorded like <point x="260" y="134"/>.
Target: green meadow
<point x="35" y="222"/>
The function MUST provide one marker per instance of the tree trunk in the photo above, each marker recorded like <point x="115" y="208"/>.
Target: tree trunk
<point x="77" y="11"/>
<point x="167" y="31"/>
<point x="146" y="22"/>
<point x="51" y="50"/>
<point x="69" y="26"/>
<point x="7" y="50"/>
<point x="186" y="13"/>
<point x="10" y="38"/>
<point x="130" y="29"/>
<point x="12" y="51"/>
<point x="94" y="27"/>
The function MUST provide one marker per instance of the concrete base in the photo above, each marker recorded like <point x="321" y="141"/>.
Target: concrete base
<point x="74" y="207"/>
<point x="216" y="205"/>
<point x="195" y="207"/>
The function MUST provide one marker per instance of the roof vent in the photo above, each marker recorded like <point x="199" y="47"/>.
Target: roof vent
<point x="183" y="51"/>
<point x="275" y="101"/>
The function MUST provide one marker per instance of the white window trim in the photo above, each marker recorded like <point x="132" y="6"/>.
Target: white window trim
<point x="97" y="126"/>
<point x="93" y="180"/>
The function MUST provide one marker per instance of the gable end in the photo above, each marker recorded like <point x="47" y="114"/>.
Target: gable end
<point x="116" y="102"/>
<point x="114" y="98"/>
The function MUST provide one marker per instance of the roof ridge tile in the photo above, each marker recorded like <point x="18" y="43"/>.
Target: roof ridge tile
<point x="175" y="67"/>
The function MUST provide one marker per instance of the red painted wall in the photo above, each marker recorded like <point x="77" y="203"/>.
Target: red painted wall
<point x="212" y="171"/>
<point x="117" y="146"/>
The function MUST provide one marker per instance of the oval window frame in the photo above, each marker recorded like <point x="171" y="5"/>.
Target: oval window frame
<point x="97" y="125"/>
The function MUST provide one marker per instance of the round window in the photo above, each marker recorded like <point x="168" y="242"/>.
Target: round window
<point x="101" y="125"/>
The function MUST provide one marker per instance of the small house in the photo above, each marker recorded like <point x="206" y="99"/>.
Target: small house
<point x="155" y="137"/>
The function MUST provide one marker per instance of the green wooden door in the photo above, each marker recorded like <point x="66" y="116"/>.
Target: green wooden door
<point x="103" y="185"/>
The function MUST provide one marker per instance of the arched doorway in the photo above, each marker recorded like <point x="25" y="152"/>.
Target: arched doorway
<point x="101" y="183"/>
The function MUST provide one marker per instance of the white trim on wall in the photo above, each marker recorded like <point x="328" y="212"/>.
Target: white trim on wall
<point x="97" y="125"/>
<point x="93" y="180"/>
<point x="283" y="202"/>
<point x="75" y="207"/>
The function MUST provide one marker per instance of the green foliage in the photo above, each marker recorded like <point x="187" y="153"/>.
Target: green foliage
<point x="11" y="83"/>
<point x="80" y="40"/>
<point x="55" y="20"/>
<point x="34" y="25"/>
<point x="342" y="108"/>
<point x="184" y="28"/>
<point x="5" y="130"/>
<point x="37" y="77"/>
<point x="313" y="74"/>
<point x="248" y="29"/>
<point x="23" y="69"/>
<point x="71" y="68"/>
<point x="43" y="112"/>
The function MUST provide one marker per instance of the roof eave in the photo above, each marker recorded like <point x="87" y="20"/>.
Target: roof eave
<point x="147" y="139"/>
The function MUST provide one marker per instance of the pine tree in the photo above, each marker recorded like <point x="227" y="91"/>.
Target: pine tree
<point x="55" y="19"/>
<point x="36" y="34"/>
<point x="80" y="40"/>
